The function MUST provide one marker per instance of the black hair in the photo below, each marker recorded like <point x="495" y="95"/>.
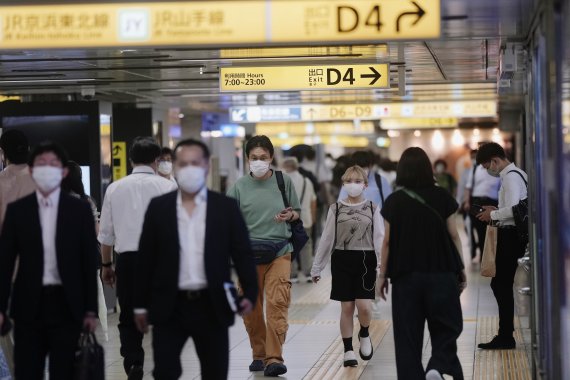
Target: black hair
<point x="488" y="151"/>
<point x="362" y="158"/>
<point x="45" y="147"/>
<point x="260" y="141"/>
<point x="144" y="151"/>
<point x="193" y="142"/>
<point x="166" y="150"/>
<point x="72" y="182"/>
<point x="440" y="162"/>
<point x="15" y="145"/>
<point x="414" y="169"/>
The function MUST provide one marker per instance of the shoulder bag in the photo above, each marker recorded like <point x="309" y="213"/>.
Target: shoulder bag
<point x="520" y="213"/>
<point x="299" y="236"/>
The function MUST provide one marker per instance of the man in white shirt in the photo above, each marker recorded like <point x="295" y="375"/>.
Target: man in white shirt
<point x="509" y="248"/>
<point x="183" y="282"/>
<point x="52" y="236"/>
<point x="481" y="189"/>
<point x="120" y="227"/>
<point x="308" y="199"/>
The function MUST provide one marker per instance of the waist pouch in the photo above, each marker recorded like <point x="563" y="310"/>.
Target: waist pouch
<point x="265" y="251"/>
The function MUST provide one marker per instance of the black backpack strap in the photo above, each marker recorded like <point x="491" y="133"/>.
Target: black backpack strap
<point x="281" y="184"/>
<point x="519" y="173"/>
<point x="379" y="184"/>
<point x="335" y="224"/>
<point x="372" y="211"/>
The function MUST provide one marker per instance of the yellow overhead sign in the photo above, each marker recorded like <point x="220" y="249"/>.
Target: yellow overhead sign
<point x="283" y="78"/>
<point x="318" y="128"/>
<point x="119" y="160"/>
<point x="220" y="23"/>
<point x="415" y="123"/>
<point x="343" y="141"/>
<point x="359" y="51"/>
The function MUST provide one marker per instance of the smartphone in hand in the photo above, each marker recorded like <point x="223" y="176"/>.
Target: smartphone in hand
<point x="476" y="209"/>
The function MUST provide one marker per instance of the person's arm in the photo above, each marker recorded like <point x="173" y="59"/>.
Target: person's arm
<point x="293" y="201"/>
<point x="242" y="257"/>
<point x="382" y="283"/>
<point x="90" y="258"/>
<point x="378" y="237"/>
<point x="313" y="197"/>
<point x="512" y="197"/>
<point x="326" y="245"/>
<point x="106" y="237"/>
<point x="8" y="254"/>
<point x="452" y="229"/>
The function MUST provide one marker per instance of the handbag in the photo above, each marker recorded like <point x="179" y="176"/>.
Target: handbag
<point x="488" y="265"/>
<point x="520" y="214"/>
<point x="265" y="251"/>
<point x="89" y="359"/>
<point x="299" y="236"/>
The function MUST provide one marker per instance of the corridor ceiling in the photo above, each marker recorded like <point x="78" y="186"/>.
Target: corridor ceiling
<point x="463" y="64"/>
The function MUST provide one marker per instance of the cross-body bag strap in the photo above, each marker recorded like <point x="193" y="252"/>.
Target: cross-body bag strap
<point x="335" y="224"/>
<point x="281" y="184"/>
<point x="519" y="173"/>
<point x="303" y="191"/>
<point x="372" y="224"/>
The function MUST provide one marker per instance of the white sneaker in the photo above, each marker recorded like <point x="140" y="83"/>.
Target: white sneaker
<point x="350" y="359"/>
<point x="366" y="349"/>
<point x="432" y="374"/>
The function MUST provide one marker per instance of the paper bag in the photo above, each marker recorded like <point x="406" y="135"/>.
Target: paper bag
<point x="488" y="268"/>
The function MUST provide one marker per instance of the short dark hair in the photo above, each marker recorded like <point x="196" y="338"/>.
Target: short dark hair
<point x="192" y="142"/>
<point x="15" y="145"/>
<point x="414" y="169"/>
<point x="45" y="147"/>
<point x="144" y="151"/>
<point x="488" y="151"/>
<point x="72" y="181"/>
<point x="260" y="141"/>
<point x="362" y="158"/>
<point x="166" y="150"/>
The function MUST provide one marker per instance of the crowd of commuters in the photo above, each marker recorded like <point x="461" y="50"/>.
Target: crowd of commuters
<point x="169" y="245"/>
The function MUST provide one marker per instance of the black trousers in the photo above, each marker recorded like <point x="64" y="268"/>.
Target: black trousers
<point x="417" y="297"/>
<point x="478" y="226"/>
<point x="192" y="318"/>
<point x="509" y="250"/>
<point x="131" y="338"/>
<point x="55" y="332"/>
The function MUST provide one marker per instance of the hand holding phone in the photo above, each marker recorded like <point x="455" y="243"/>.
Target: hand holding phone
<point x="476" y="209"/>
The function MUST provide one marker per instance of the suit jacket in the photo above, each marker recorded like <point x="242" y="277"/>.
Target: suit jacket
<point x="77" y="257"/>
<point x="226" y="238"/>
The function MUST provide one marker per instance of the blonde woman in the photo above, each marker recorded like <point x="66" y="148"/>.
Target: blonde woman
<point x="352" y="237"/>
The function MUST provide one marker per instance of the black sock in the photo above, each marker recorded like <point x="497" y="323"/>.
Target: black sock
<point x="363" y="331"/>
<point x="347" y="344"/>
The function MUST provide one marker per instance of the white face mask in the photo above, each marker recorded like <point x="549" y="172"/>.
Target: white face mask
<point x="259" y="168"/>
<point x="354" y="189"/>
<point x="191" y="179"/>
<point x="47" y="178"/>
<point x="493" y="172"/>
<point x="439" y="169"/>
<point x="165" y="167"/>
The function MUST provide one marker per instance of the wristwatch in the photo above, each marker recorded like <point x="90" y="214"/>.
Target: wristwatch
<point x="107" y="265"/>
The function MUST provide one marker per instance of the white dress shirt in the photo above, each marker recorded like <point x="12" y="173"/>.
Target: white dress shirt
<point x="192" y="237"/>
<point x="513" y="189"/>
<point x="485" y="185"/>
<point x="125" y="204"/>
<point x="48" y="208"/>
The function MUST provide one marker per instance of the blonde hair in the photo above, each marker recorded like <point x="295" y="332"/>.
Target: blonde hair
<point x="355" y="171"/>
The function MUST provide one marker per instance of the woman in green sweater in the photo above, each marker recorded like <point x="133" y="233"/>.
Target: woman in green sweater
<point x="267" y="220"/>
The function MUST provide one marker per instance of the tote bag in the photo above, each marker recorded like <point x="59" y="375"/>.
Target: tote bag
<point x="488" y="267"/>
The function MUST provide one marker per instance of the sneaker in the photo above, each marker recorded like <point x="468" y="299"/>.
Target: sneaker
<point x="274" y="370"/>
<point x="433" y="374"/>
<point x="499" y="343"/>
<point x="136" y="372"/>
<point x="366" y="349"/>
<point x="294" y="280"/>
<point x="256" y="366"/>
<point x="350" y="359"/>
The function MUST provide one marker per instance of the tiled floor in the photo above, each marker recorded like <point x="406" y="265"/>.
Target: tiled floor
<point x="313" y="349"/>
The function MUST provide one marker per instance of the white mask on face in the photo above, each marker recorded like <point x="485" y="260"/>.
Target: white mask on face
<point x="47" y="178"/>
<point x="439" y="169"/>
<point x="165" y="167"/>
<point x="191" y="179"/>
<point x="259" y="168"/>
<point x="354" y="189"/>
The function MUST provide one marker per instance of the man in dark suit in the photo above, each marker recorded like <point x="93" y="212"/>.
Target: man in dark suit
<point x="184" y="283"/>
<point x="55" y="292"/>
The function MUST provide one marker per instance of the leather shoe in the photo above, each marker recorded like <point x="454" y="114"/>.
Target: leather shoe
<point x="499" y="343"/>
<point x="274" y="370"/>
<point x="350" y="359"/>
<point x="136" y="372"/>
<point x="256" y="366"/>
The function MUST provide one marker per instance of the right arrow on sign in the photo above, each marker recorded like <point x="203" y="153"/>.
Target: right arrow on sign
<point x="419" y="12"/>
<point x="375" y="74"/>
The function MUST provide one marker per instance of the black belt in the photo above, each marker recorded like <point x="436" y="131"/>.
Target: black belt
<point x="52" y="288"/>
<point x="507" y="227"/>
<point x="192" y="295"/>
